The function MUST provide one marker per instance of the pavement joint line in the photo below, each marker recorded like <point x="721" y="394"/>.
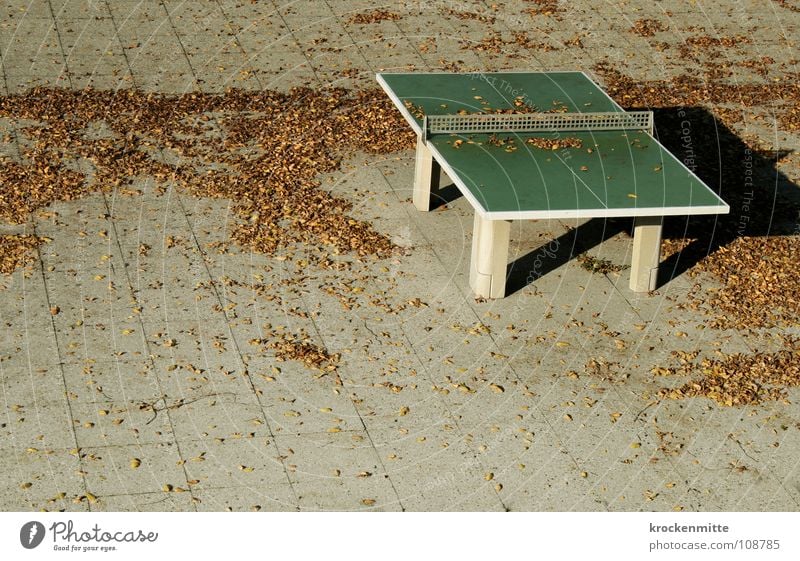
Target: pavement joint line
<point x="450" y="413"/>
<point x="178" y="37"/>
<point x="239" y="43"/>
<point x="337" y="18"/>
<point x="122" y="46"/>
<point x="235" y="342"/>
<point x="357" y="410"/>
<point x="297" y="44"/>
<point x="73" y="432"/>
<point x="66" y="70"/>
<point x="147" y="346"/>
<point x="40" y="267"/>
<point x="125" y="271"/>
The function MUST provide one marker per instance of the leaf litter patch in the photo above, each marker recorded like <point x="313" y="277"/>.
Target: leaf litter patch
<point x="262" y="150"/>
<point x="737" y="379"/>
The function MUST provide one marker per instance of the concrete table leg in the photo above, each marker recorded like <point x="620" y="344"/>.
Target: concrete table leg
<point x="487" y="273"/>
<point x="426" y="177"/>
<point x="646" y="253"/>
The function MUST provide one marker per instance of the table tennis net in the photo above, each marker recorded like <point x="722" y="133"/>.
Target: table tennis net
<point x="538" y="122"/>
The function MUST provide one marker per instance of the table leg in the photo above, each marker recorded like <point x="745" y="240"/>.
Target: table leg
<point x="487" y="273"/>
<point x="646" y="253"/>
<point x="426" y="176"/>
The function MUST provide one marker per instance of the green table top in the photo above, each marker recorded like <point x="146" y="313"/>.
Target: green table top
<point x="612" y="173"/>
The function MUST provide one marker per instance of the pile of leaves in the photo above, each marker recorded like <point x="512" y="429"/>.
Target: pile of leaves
<point x="17" y="251"/>
<point x="301" y="348"/>
<point x="555" y="143"/>
<point x="647" y="27"/>
<point x="375" y="16"/>
<point x="759" y="277"/>
<point x="787" y="5"/>
<point x="546" y="8"/>
<point x="738" y="379"/>
<point x="597" y="265"/>
<point x="495" y="43"/>
<point x="264" y="151"/>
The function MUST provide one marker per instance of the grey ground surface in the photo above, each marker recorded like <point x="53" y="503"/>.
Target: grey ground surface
<point x="433" y="413"/>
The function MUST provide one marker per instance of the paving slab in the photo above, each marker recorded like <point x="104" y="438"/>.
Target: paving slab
<point x="348" y="475"/>
<point x="132" y="469"/>
<point x="43" y="480"/>
<point x="38" y="424"/>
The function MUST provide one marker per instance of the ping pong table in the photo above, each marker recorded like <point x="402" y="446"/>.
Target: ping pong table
<point x="543" y="145"/>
